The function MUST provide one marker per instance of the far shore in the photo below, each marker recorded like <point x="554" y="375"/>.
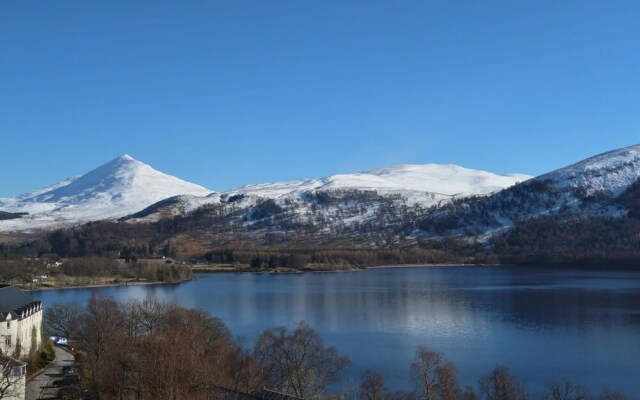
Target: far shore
<point x="242" y="268"/>
<point x="226" y="268"/>
<point x="431" y="265"/>
<point x="102" y="285"/>
<point x="217" y="268"/>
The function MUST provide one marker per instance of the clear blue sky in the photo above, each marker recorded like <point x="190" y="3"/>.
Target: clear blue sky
<point x="236" y="92"/>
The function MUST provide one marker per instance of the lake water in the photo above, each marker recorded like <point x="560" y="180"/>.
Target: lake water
<point x="541" y="323"/>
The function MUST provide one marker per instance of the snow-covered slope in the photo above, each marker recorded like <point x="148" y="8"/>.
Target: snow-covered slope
<point x="585" y="189"/>
<point x="612" y="171"/>
<point x="423" y="185"/>
<point x="120" y="187"/>
<point x="447" y="180"/>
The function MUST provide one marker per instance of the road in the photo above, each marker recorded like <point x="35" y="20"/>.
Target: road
<point x="37" y="388"/>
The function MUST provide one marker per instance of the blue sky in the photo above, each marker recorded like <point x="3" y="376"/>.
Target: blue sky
<point x="236" y="92"/>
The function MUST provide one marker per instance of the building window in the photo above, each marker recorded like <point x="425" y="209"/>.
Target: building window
<point x="8" y="324"/>
<point x="7" y="340"/>
<point x="19" y="371"/>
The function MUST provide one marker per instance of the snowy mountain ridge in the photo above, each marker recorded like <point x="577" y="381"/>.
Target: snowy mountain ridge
<point x="125" y="186"/>
<point x="422" y="185"/>
<point x="444" y="179"/>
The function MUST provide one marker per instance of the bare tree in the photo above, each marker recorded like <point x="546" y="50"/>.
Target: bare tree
<point x="434" y="377"/>
<point x="608" y="395"/>
<point x="144" y="317"/>
<point x="565" y="391"/>
<point x="373" y="387"/>
<point x="469" y="394"/>
<point x="151" y="312"/>
<point x="63" y="319"/>
<point x="131" y="318"/>
<point x="501" y="385"/>
<point x="247" y="374"/>
<point x="188" y="352"/>
<point x="298" y="363"/>
<point x="447" y="382"/>
<point x="423" y="372"/>
<point x="148" y="349"/>
<point x="99" y="330"/>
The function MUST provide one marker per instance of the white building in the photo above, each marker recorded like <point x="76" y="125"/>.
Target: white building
<point x="20" y="322"/>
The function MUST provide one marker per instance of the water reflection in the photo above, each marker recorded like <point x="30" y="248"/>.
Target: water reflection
<point x="543" y="324"/>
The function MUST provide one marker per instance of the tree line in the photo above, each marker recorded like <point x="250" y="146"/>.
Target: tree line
<point x="149" y="349"/>
<point x="301" y="258"/>
<point x="596" y="241"/>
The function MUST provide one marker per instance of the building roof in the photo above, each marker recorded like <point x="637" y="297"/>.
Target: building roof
<point x="14" y="301"/>
<point x="9" y="362"/>
<point x="12" y="367"/>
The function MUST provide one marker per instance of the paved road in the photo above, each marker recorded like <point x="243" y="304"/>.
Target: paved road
<point x="37" y="388"/>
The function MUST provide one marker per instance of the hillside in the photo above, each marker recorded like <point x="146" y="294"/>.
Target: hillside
<point x="589" y="188"/>
<point x="381" y="202"/>
<point x="372" y="208"/>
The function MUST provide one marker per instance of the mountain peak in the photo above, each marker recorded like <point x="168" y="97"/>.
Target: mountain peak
<point x="121" y="160"/>
<point x="125" y="157"/>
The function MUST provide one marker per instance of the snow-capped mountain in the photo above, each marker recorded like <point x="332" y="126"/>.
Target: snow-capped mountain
<point x="117" y="188"/>
<point x="127" y="187"/>
<point x="589" y="188"/>
<point x="588" y="210"/>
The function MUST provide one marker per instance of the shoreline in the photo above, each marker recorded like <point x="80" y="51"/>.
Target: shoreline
<point x="432" y="265"/>
<point x="102" y="285"/>
<point x="213" y="269"/>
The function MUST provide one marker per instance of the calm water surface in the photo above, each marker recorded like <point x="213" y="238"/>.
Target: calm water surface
<point x="543" y="324"/>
